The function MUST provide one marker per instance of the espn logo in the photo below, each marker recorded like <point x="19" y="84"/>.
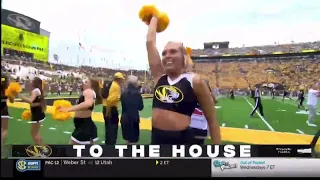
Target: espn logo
<point x="304" y="151"/>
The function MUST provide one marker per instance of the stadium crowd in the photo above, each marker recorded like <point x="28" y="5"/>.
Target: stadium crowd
<point x="292" y="73"/>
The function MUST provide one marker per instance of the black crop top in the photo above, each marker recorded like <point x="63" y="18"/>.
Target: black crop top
<point x="3" y="101"/>
<point x="36" y="109"/>
<point x="177" y="95"/>
<point x="4" y="98"/>
<point x="81" y="100"/>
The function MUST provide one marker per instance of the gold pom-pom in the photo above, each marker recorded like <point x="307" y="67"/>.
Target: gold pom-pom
<point x="13" y="89"/>
<point x="163" y="22"/>
<point x="26" y="115"/>
<point x="147" y="12"/>
<point x="59" y="115"/>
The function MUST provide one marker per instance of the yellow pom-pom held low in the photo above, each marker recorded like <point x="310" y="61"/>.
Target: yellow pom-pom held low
<point x="26" y="115"/>
<point x="147" y="12"/>
<point x="59" y="115"/>
<point x="13" y="89"/>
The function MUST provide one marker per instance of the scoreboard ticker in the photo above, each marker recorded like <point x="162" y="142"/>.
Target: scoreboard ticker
<point x="160" y="161"/>
<point x="163" y="167"/>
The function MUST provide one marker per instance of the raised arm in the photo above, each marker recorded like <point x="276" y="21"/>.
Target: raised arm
<point x="153" y="53"/>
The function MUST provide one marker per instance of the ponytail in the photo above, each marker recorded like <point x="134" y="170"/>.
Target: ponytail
<point x="96" y="88"/>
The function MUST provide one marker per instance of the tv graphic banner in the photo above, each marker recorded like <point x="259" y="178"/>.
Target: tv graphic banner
<point x="160" y="161"/>
<point x="20" y="21"/>
<point x="165" y="151"/>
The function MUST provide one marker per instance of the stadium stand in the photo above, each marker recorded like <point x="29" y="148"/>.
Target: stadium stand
<point x="293" y="66"/>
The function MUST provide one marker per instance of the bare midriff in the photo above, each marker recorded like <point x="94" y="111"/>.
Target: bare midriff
<point x="169" y="120"/>
<point x="83" y="114"/>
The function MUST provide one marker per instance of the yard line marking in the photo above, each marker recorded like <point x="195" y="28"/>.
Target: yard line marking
<point x="246" y="126"/>
<point x="103" y="142"/>
<point x="29" y="122"/>
<point x="299" y="131"/>
<point x="223" y="124"/>
<point x="262" y="118"/>
<point x="282" y="110"/>
<point x="19" y="120"/>
<point x="67" y="132"/>
<point x="52" y="128"/>
<point x="10" y="117"/>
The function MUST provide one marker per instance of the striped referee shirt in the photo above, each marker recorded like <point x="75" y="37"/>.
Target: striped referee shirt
<point x="257" y="93"/>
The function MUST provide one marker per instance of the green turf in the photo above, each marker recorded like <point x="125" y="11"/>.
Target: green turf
<point x="231" y="113"/>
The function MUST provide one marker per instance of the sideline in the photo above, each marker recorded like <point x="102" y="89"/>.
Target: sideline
<point x="249" y="136"/>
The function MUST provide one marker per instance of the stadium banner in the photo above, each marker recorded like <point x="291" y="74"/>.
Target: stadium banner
<point x="163" y="151"/>
<point x="20" y="21"/>
<point x="20" y="40"/>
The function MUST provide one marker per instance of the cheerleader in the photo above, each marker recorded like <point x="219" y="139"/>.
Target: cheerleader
<point x="37" y="107"/>
<point x="85" y="131"/>
<point x="4" y="109"/>
<point x="199" y="124"/>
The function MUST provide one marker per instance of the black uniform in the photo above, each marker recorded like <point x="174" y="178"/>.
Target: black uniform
<point x="4" y="107"/>
<point x="37" y="113"/>
<point x="252" y="93"/>
<point x="85" y="129"/>
<point x="176" y="96"/>
<point x="231" y="94"/>
<point x="285" y="95"/>
<point x="272" y="93"/>
<point x="300" y="98"/>
<point x="258" y="104"/>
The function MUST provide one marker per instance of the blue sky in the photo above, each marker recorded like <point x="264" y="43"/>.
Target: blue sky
<point x="114" y="26"/>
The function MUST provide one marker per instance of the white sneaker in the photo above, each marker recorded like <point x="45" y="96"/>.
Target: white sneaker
<point x="311" y="125"/>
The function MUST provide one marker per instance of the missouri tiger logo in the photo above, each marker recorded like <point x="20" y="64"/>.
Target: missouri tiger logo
<point x="39" y="151"/>
<point x="168" y="94"/>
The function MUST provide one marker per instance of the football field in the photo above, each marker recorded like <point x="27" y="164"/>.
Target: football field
<point x="282" y="123"/>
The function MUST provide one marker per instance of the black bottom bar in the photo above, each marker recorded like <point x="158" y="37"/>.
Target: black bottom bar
<point x="130" y="168"/>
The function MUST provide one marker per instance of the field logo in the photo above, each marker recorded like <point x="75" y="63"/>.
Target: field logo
<point x="23" y="165"/>
<point x="39" y="151"/>
<point x="223" y="165"/>
<point x="169" y="94"/>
